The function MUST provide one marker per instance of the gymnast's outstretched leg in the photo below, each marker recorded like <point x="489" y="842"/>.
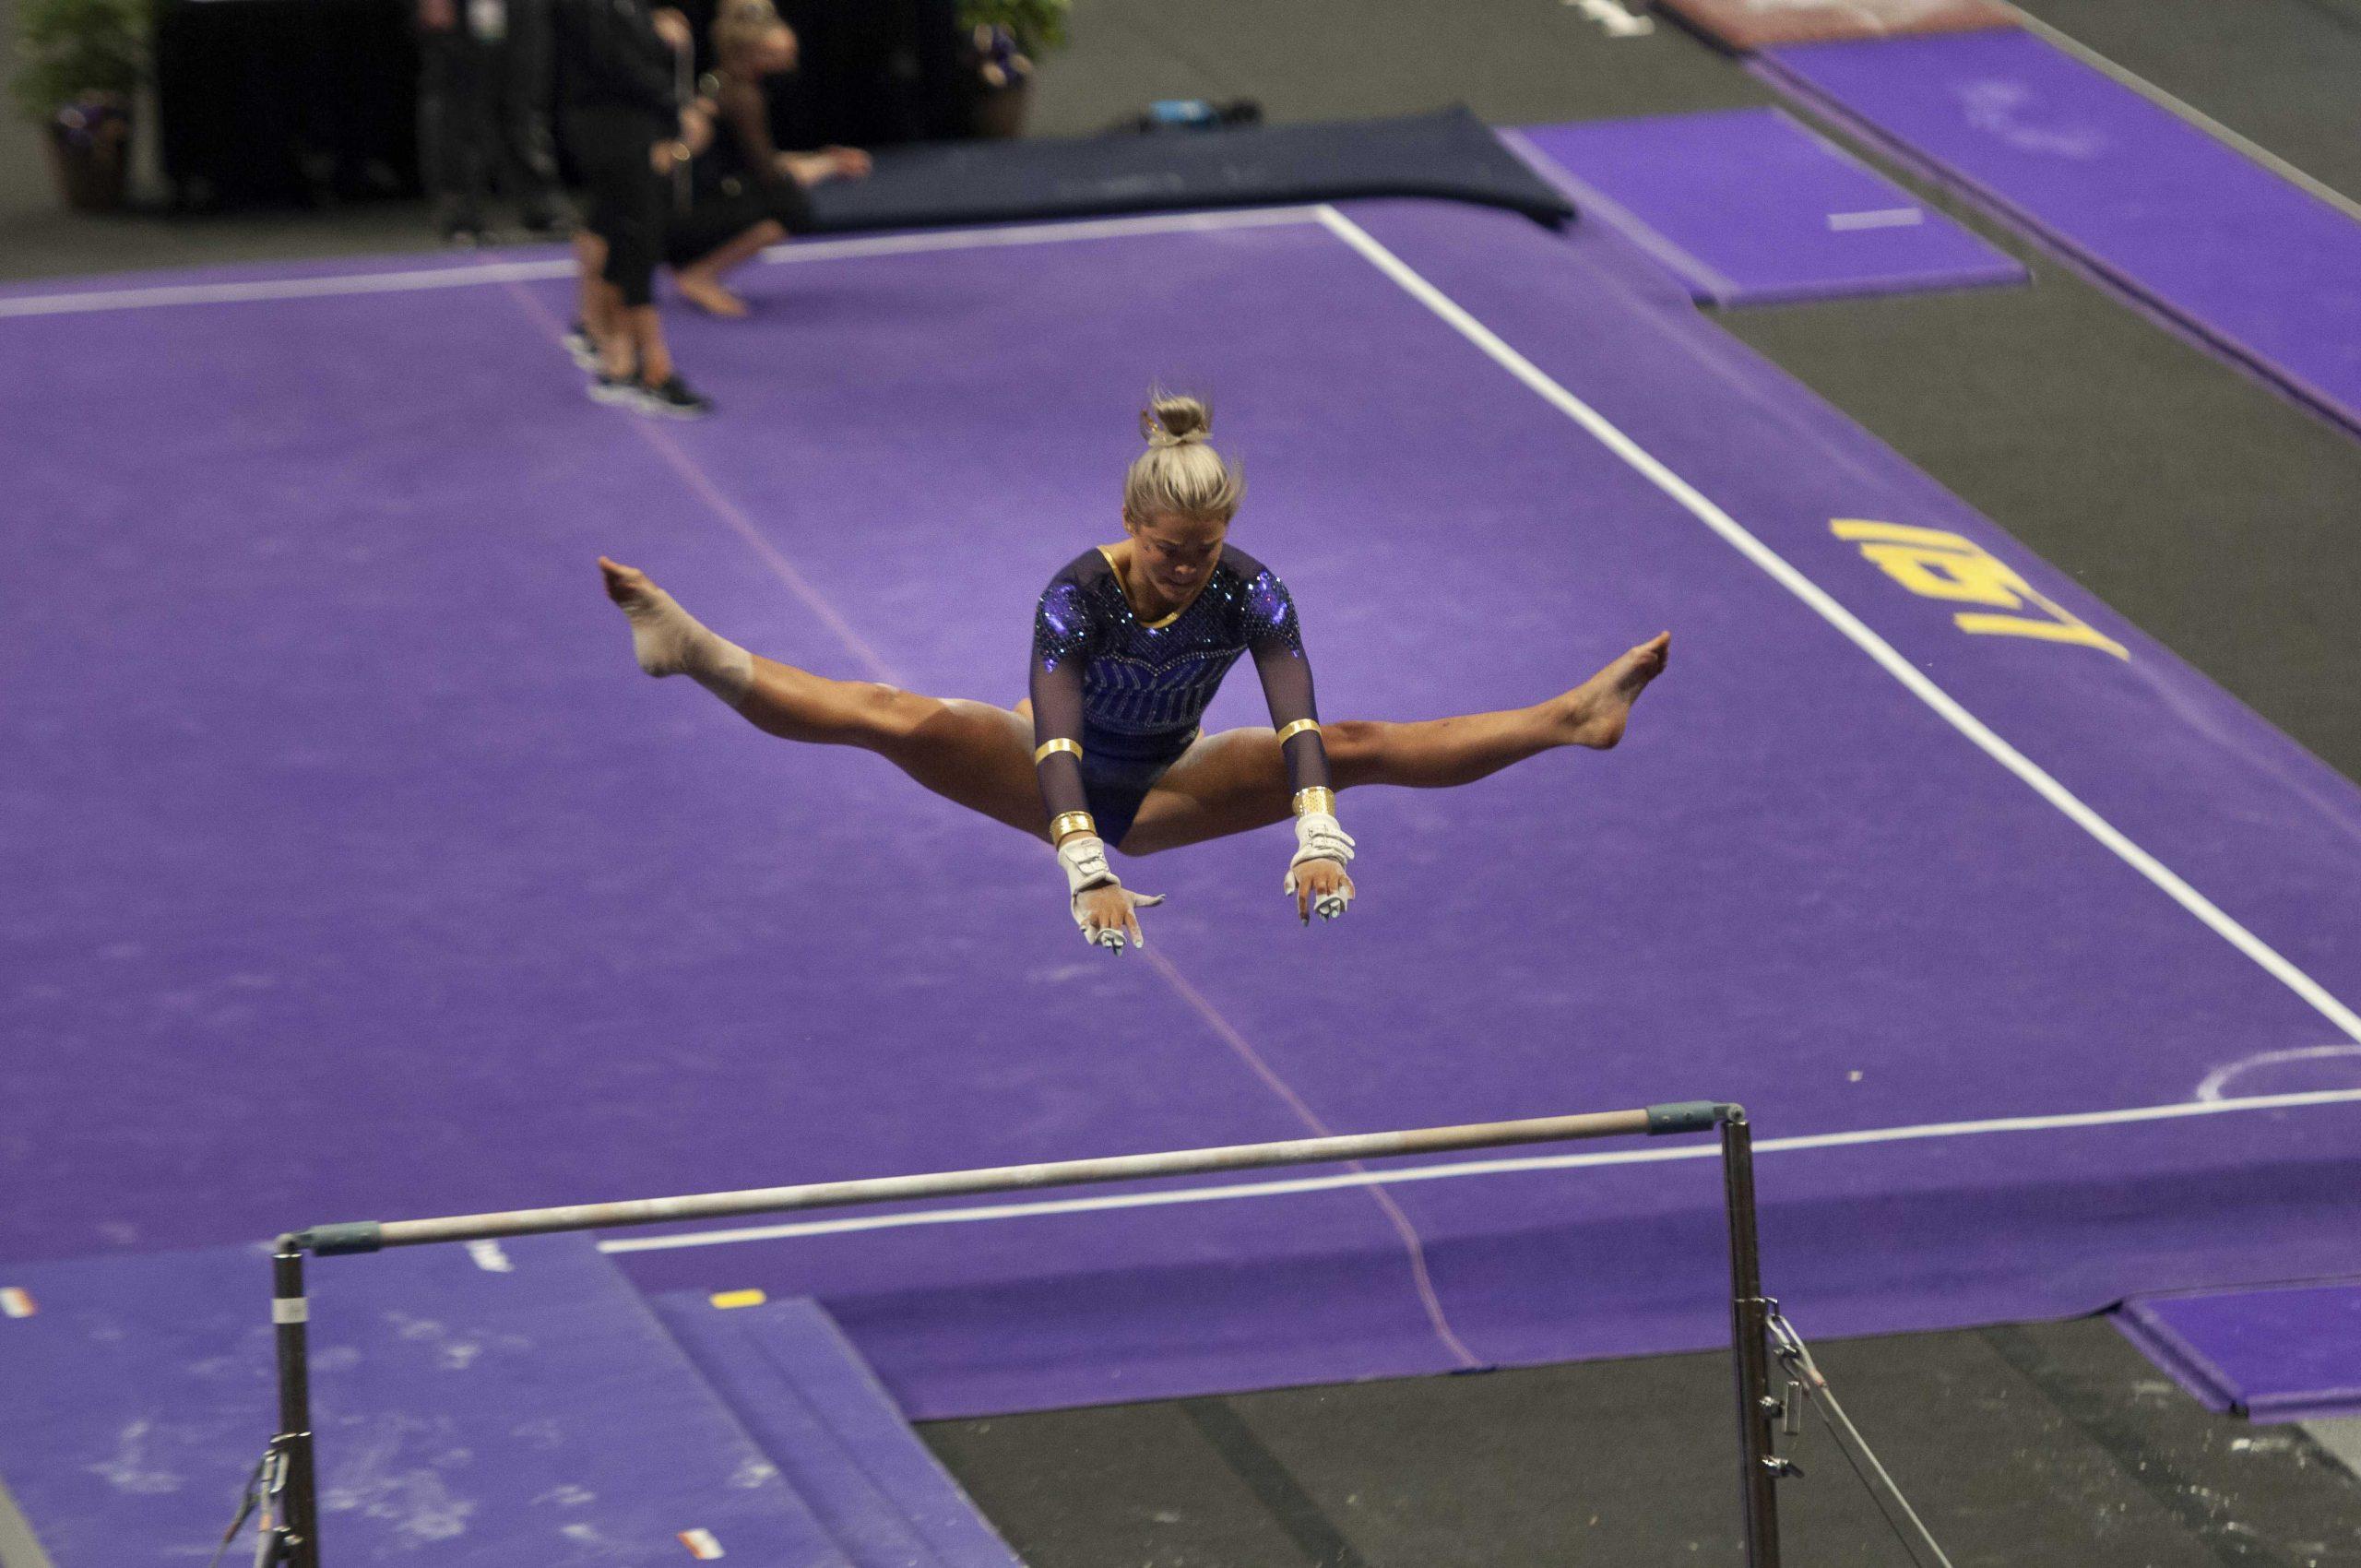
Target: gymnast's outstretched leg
<point x="968" y="752"/>
<point x="1237" y="781"/>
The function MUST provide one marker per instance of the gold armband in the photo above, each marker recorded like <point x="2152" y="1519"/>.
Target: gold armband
<point x="1052" y="748"/>
<point x="1315" y="800"/>
<point x="1065" y="824"/>
<point x="1297" y="728"/>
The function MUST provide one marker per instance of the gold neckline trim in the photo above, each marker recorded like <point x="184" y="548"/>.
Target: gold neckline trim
<point x="1116" y="568"/>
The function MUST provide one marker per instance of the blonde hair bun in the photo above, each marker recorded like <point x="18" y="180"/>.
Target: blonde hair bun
<point x="1170" y="419"/>
<point x="1180" y="473"/>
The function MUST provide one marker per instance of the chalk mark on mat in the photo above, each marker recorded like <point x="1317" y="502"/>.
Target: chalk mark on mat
<point x="2221" y="1077"/>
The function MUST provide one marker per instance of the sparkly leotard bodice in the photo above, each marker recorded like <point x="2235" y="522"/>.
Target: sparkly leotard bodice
<point x="1121" y="686"/>
<point x="1154" y="680"/>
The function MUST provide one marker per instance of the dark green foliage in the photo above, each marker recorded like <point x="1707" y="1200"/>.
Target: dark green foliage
<point x="1036" y="25"/>
<point x="67" y="48"/>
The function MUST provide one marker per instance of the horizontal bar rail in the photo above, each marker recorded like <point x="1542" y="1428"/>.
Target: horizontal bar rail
<point x="290" y="1518"/>
<point x="369" y="1236"/>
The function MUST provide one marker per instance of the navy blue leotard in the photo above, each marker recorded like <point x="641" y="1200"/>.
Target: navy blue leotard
<point x="1131" y="691"/>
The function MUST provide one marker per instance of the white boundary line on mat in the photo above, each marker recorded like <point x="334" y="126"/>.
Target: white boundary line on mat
<point x="1845" y="621"/>
<point x="1519" y="1165"/>
<point x="466" y="276"/>
<point x="262" y="288"/>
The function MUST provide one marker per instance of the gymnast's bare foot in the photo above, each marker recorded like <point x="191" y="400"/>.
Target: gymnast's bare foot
<point x="654" y="614"/>
<point x="1595" y="713"/>
<point x="668" y="640"/>
<point x="708" y="295"/>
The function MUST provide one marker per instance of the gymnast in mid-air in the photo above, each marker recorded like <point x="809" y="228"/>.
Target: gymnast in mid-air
<point x="1129" y="642"/>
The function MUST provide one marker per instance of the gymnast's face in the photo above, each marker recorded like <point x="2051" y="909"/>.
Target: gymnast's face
<point x="1174" y="553"/>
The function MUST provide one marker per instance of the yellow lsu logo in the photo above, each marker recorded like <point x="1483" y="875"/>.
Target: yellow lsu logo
<point x="1935" y="564"/>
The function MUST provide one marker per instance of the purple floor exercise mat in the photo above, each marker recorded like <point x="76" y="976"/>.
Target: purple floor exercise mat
<point x="2284" y="1354"/>
<point x="2255" y="265"/>
<point x="473" y="1408"/>
<point x="341" y="807"/>
<point x="1746" y="206"/>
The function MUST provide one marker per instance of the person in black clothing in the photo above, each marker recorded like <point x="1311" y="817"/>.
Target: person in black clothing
<point x="629" y="129"/>
<point x="484" y="108"/>
<point x="749" y="194"/>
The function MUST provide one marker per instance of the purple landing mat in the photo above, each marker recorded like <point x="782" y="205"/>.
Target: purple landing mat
<point x="1746" y="206"/>
<point x="2270" y="1355"/>
<point x="818" y="1410"/>
<point x="2248" y="261"/>
<point x="497" y="1405"/>
<point x="341" y="810"/>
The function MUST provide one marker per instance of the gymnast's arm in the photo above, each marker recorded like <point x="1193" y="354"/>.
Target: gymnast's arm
<point x="1286" y="686"/>
<point x="1063" y="636"/>
<point x="1057" y="716"/>
<point x="1276" y="638"/>
<point x="1316" y="878"/>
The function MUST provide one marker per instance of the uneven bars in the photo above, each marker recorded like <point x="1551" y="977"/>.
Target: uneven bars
<point x="369" y="1236"/>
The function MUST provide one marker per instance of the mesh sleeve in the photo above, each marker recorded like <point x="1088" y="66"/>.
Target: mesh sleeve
<point x="1061" y="639"/>
<point x="1277" y="641"/>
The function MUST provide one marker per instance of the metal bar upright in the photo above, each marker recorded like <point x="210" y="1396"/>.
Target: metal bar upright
<point x="1749" y="1347"/>
<point x="289" y="1493"/>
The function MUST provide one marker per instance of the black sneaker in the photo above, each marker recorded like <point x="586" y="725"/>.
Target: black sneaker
<point x="579" y="344"/>
<point x="674" y="400"/>
<point x="616" y="391"/>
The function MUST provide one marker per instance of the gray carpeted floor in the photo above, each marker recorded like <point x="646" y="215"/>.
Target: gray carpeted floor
<point x="2046" y="1446"/>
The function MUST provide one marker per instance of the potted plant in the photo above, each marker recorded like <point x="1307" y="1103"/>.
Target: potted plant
<point x="1004" y="37"/>
<point x="81" y="62"/>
